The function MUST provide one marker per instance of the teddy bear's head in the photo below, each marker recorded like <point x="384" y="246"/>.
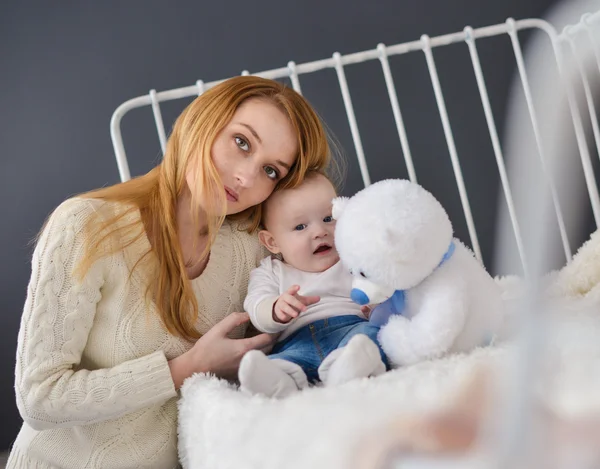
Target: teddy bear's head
<point x="391" y="236"/>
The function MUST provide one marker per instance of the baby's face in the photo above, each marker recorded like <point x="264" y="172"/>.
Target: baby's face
<point x="302" y="227"/>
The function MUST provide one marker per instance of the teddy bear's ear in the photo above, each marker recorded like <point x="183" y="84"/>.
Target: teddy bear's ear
<point x="339" y="204"/>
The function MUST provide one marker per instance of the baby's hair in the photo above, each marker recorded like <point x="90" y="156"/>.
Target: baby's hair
<point x="313" y="174"/>
<point x="308" y="176"/>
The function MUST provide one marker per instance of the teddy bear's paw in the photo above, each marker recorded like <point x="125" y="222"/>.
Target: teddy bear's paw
<point x="397" y="341"/>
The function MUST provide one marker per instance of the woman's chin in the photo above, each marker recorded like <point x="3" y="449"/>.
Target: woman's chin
<point x="234" y="209"/>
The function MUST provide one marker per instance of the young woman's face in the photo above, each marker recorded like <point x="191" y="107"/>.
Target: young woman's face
<point x="252" y="153"/>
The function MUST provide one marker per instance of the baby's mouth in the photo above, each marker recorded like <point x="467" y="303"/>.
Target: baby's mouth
<point x="322" y="249"/>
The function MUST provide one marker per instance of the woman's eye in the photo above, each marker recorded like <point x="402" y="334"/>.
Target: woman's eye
<point x="271" y="172"/>
<point x="300" y="227"/>
<point x="328" y="219"/>
<point x="242" y="144"/>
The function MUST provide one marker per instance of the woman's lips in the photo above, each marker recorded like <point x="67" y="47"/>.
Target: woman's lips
<point x="232" y="195"/>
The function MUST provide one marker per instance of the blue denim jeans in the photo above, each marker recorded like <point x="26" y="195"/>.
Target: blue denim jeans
<point x="309" y="345"/>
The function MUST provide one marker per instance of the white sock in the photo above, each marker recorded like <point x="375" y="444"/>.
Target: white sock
<point x="272" y="378"/>
<point x="360" y="358"/>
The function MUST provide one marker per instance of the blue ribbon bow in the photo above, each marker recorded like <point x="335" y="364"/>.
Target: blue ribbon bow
<point x="396" y="304"/>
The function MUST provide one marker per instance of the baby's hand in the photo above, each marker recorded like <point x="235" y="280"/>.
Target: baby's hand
<point x="289" y="305"/>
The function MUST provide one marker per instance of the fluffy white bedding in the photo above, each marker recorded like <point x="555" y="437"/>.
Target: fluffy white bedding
<point x="219" y="427"/>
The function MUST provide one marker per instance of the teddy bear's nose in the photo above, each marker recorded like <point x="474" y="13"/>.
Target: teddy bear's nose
<point x="359" y="296"/>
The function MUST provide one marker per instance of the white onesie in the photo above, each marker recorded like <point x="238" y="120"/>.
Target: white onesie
<point x="273" y="277"/>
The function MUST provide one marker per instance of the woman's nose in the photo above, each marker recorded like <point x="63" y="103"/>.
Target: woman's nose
<point x="246" y="175"/>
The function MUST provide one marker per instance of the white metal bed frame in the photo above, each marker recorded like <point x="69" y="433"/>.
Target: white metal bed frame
<point x="562" y="43"/>
<point x="426" y="44"/>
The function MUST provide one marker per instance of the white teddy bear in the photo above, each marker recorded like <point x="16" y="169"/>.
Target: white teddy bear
<point x="396" y="239"/>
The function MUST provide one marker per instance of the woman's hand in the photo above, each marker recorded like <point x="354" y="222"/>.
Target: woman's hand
<point x="216" y="353"/>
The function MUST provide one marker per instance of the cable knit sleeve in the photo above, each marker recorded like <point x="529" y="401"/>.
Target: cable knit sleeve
<point x="58" y="315"/>
<point x="263" y="291"/>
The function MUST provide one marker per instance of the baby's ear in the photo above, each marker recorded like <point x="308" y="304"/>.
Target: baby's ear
<point x="339" y="204"/>
<point x="267" y="240"/>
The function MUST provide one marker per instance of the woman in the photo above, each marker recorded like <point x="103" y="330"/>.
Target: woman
<point x="134" y="287"/>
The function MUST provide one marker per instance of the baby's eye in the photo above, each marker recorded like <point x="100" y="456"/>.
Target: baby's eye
<point x="300" y="227"/>
<point x="362" y="274"/>
<point x="242" y="143"/>
<point x="328" y="219"/>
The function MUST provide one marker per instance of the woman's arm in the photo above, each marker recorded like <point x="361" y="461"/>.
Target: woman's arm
<point x="216" y="353"/>
<point x="58" y="316"/>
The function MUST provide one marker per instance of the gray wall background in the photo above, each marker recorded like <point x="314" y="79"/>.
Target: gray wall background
<point x="65" y="67"/>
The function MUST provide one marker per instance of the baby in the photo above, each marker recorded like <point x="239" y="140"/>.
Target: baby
<point x="305" y="296"/>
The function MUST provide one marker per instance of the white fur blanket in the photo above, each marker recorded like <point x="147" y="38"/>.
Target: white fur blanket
<point x="219" y="427"/>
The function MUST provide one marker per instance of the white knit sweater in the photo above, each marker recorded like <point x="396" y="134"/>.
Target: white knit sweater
<point x="93" y="384"/>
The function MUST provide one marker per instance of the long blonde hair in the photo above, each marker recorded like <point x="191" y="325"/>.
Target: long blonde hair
<point x="155" y="194"/>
